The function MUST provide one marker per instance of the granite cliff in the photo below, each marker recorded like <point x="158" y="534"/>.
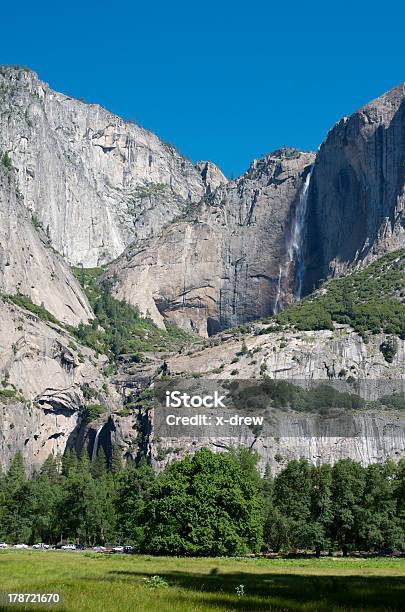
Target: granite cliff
<point x="356" y="201"/>
<point x="47" y="383"/>
<point x="79" y="185"/>
<point x="222" y="263"/>
<point x="28" y="264"/>
<point x="292" y="220"/>
<point x="94" y="181"/>
<point x="338" y="358"/>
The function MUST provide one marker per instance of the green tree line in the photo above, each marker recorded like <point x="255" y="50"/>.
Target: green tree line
<point x="205" y="504"/>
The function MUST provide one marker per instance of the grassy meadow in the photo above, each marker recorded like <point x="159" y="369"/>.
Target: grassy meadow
<point x="91" y="581"/>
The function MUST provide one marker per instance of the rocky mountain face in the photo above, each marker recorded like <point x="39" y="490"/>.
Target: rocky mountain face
<point x="47" y="380"/>
<point x="57" y="377"/>
<point x="369" y="437"/>
<point x="28" y="264"/>
<point x="211" y="175"/>
<point x="94" y="181"/>
<point x="194" y="250"/>
<point x="356" y="203"/>
<point x="273" y="234"/>
<point x="340" y="358"/>
<point x="221" y="264"/>
<point x="293" y="355"/>
<point x="98" y="185"/>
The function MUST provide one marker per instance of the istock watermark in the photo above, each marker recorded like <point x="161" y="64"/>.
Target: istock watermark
<point x="201" y="408"/>
<point x="276" y="410"/>
<point x="177" y="399"/>
<point x="202" y="419"/>
<point x="221" y="414"/>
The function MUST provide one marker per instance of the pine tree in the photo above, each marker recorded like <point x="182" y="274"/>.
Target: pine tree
<point x="50" y="468"/>
<point x="348" y="482"/>
<point x="46" y="496"/>
<point x="69" y="462"/>
<point x="15" y="476"/>
<point x="99" y="465"/>
<point x="292" y="498"/>
<point x="106" y="496"/>
<point x="17" y="512"/>
<point x="132" y="494"/>
<point x="116" y="460"/>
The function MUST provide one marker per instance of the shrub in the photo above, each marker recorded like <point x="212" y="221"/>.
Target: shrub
<point x="36" y="222"/>
<point x="156" y="582"/>
<point x="6" y="161"/>
<point x="8" y="393"/>
<point x="92" y="411"/>
<point x="395" y="401"/>
<point x="389" y="349"/>
<point x="40" y="311"/>
<point x="281" y="394"/>
<point x="244" y="349"/>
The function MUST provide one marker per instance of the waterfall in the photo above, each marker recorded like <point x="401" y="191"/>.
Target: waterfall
<point x="296" y="242"/>
<point x="294" y="248"/>
<point x="277" y="303"/>
<point x="95" y="445"/>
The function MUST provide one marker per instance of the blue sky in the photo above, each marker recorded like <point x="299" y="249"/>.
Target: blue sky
<point x="224" y="81"/>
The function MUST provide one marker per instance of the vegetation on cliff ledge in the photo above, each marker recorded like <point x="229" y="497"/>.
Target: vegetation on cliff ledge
<point x="118" y="327"/>
<point x="25" y="302"/>
<point x="371" y="300"/>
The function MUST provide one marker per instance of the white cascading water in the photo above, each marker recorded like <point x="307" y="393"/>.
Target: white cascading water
<point x="295" y="247"/>
<point x="296" y="242"/>
<point x="95" y="446"/>
<point x="277" y="303"/>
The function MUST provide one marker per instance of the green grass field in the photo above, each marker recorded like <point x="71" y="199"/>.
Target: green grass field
<point x="89" y="581"/>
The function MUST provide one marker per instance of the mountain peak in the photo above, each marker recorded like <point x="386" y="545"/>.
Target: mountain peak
<point x="211" y="175"/>
<point x="386" y="105"/>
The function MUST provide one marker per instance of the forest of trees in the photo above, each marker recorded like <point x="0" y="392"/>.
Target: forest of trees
<point x="206" y="504"/>
<point x="370" y="300"/>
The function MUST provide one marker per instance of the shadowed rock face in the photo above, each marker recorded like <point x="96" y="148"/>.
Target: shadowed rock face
<point x="95" y="181"/>
<point x="220" y="264"/>
<point x="37" y="434"/>
<point x="356" y="208"/>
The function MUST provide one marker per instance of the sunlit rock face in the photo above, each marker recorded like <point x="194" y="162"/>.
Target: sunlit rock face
<point x="81" y="186"/>
<point x="46" y="374"/>
<point x="94" y="181"/>
<point x="220" y="265"/>
<point x="28" y="264"/>
<point x="366" y="438"/>
<point x="339" y="358"/>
